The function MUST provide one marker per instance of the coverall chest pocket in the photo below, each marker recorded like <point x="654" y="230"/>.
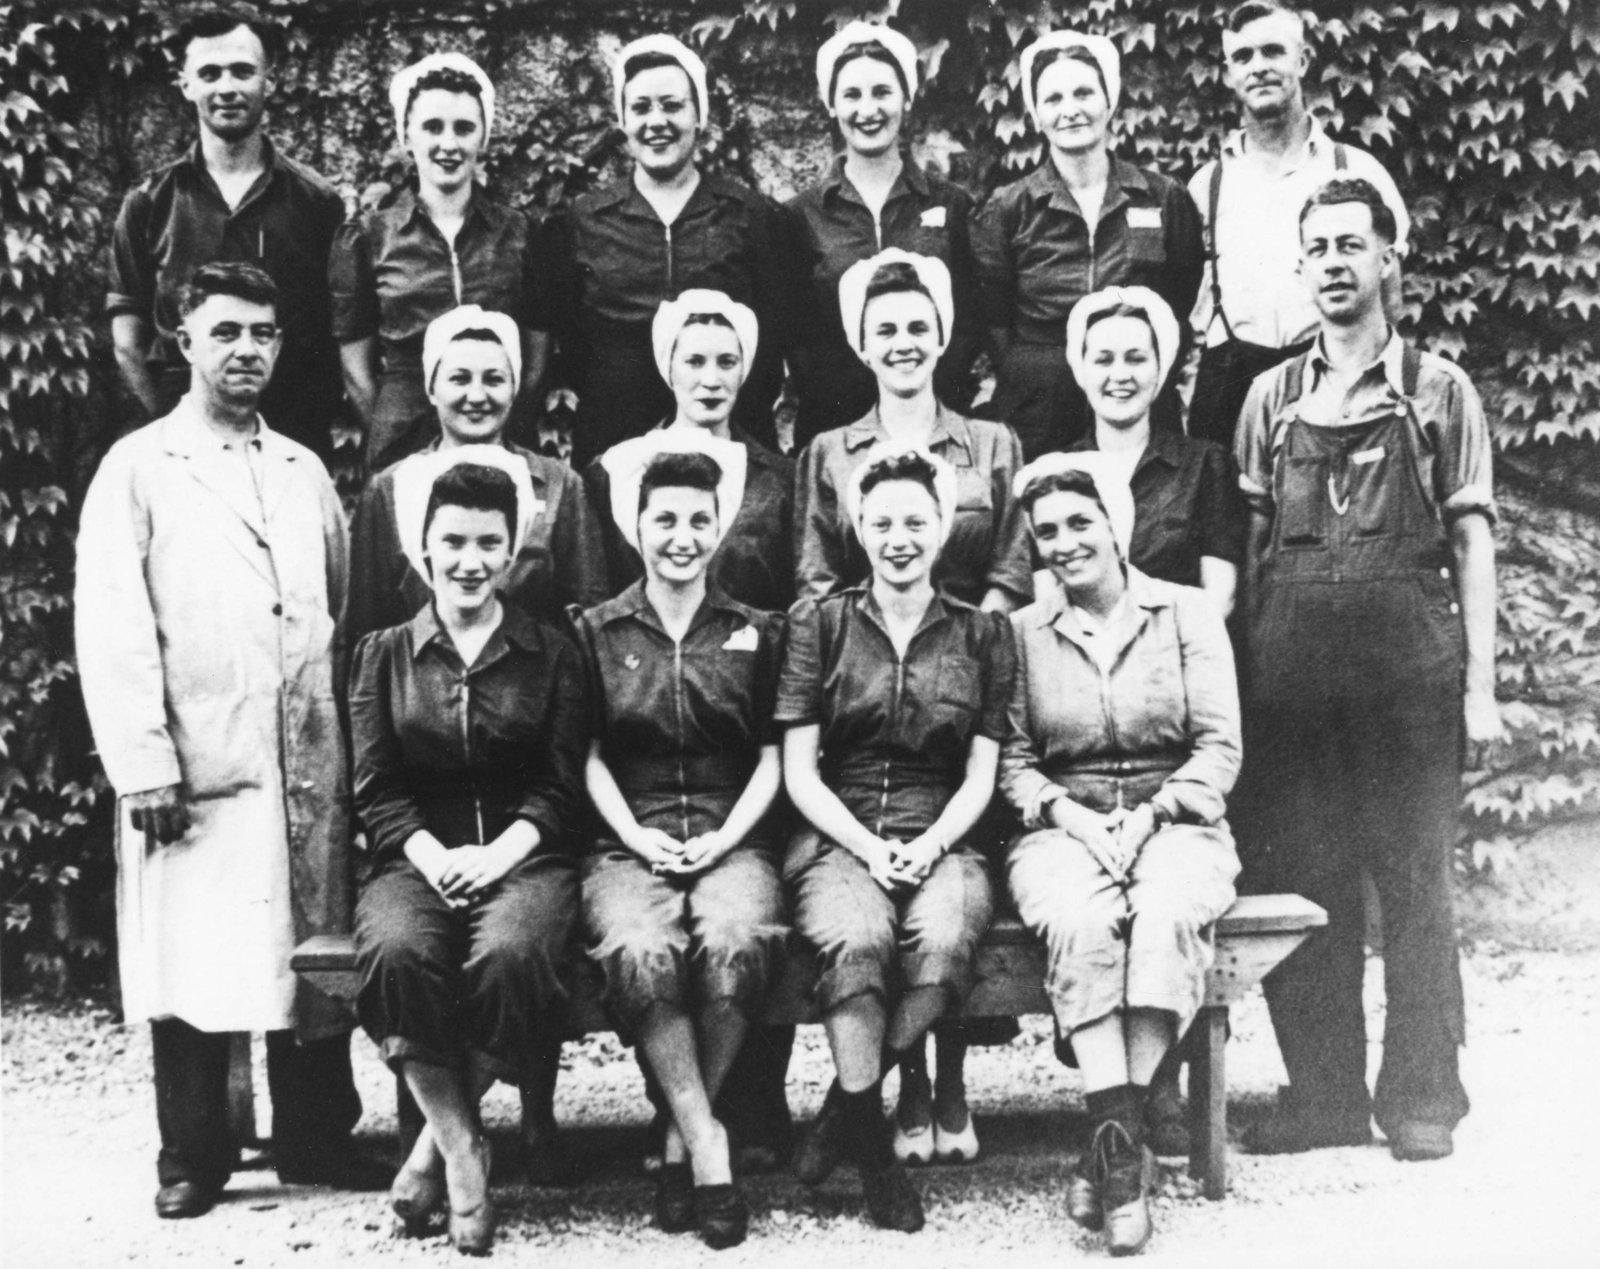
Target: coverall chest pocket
<point x="1303" y="502"/>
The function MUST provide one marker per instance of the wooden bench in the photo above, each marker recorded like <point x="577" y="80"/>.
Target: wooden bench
<point x="1251" y="938"/>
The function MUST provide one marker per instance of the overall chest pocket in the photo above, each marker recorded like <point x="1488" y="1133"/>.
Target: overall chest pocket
<point x="1303" y="502"/>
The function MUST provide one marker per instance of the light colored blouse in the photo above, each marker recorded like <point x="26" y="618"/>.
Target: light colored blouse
<point x="1164" y="711"/>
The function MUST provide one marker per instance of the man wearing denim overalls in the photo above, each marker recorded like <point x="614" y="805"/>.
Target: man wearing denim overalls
<point x="1368" y="661"/>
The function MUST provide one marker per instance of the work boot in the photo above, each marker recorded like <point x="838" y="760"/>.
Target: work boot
<point x="1295" y="1125"/>
<point x="1413" y="1142"/>
<point x="1129" y="1170"/>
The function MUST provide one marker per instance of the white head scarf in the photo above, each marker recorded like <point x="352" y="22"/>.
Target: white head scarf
<point x="626" y="461"/>
<point x="668" y="46"/>
<point x="413" y="485"/>
<point x="1098" y="47"/>
<point x="1112" y="487"/>
<point x="673" y="315"/>
<point x="443" y="329"/>
<point x="400" y="87"/>
<point x="945" y="488"/>
<point x="894" y="44"/>
<point x="1163" y="326"/>
<point x="930" y="270"/>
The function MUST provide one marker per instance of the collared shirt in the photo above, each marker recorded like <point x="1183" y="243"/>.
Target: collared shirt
<point x="392" y="272"/>
<point x="681" y="724"/>
<point x="463" y="751"/>
<point x="830" y="228"/>
<point x="176" y="220"/>
<point x="988" y="546"/>
<point x="1161" y="724"/>
<point x="1186" y="505"/>
<point x="1449" y="429"/>
<point x="561" y="563"/>
<point x="1258" y="237"/>
<point x="612" y="262"/>
<point x="1037" y="257"/>
<point x="754" y="563"/>
<point x="896" y="732"/>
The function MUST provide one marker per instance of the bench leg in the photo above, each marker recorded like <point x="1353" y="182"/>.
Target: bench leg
<point x="1208" y="1101"/>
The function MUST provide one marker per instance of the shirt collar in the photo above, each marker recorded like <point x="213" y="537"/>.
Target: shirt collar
<point x="410" y="209"/>
<point x="836" y="185"/>
<point x="866" y="603"/>
<point x="1391" y="360"/>
<point x="635" y="604"/>
<point x="1122" y="176"/>
<point x="1142" y="596"/>
<point x="516" y="628"/>
<point x="948" y="428"/>
<point x="1163" y="446"/>
<point x="1317" y="140"/>
<point x="186" y="432"/>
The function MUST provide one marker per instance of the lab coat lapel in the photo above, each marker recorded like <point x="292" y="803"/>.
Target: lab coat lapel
<point x="226" y="480"/>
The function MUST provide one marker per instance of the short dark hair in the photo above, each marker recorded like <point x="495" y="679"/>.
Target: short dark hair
<point x="242" y="281"/>
<point x="1242" y="15"/>
<point x="477" y="334"/>
<point x="1077" y="53"/>
<point x="875" y="50"/>
<point x="1072" y="481"/>
<point x="680" y="471"/>
<point x="641" y="62"/>
<point x="909" y="465"/>
<point x="891" y="278"/>
<point x="446" y="79"/>
<point x="1121" y="309"/>
<point x="1354" y="189"/>
<point x="475" y="487"/>
<point x="212" y="20"/>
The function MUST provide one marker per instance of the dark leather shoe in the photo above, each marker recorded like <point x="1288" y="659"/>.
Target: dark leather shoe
<point x="1166" y="1125"/>
<point x="183" y="1199"/>
<point x="674" y="1198"/>
<point x="1291" y="1131"/>
<point x="823" y="1147"/>
<point x="892" y="1201"/>
<point x="1130" y="1173"/>
<point x="1083" y="1193"/>
<point x="721" y="1215"/>
<point x="344" y="1170"/>
<point x="1421" y="1143"/>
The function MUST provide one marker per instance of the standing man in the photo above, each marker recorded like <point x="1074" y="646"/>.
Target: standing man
<point x="211" y="573"/>
<point x="231" y="197"/>
<point x="1370" y="624"/>
<point x="1252" y="312"/>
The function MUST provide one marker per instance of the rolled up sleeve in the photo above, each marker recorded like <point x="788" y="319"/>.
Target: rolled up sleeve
<point x="799" y="697"/>
<point x="351" y="284"/>
<point x="1463" y="470"/>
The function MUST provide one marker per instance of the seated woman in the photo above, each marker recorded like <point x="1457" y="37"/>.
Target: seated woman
<point x="471" y="367"/>
<point x="681" y="897"/>
<point x="1189" y="519"/>
<point x="1123" y="743"/>
<point x="704" y="346"/>
<point x="893" y="695"/>
<point x="470" y="723"/>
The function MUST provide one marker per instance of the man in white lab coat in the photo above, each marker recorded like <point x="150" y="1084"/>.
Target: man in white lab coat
<point x="211" y="575"/>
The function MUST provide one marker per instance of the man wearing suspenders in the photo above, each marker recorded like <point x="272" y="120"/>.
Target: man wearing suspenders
<point x="1252" y="312"/>
<point x="1369" y="621"/>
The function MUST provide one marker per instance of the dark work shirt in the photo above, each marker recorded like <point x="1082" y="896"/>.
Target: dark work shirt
<point x="560" y="564"/>
<point x="1186" y="504"/>
<point x="987" y="547"/>
<point x="681" y="726"/>
<point x="895" y="735"/>
<point x="613" y="262"/>
<point x="176" y="220"/>
<point x="755" y="562"/>
<point x="830" y="228"/>
<point x="462" y="752"/>
<point x="1036" y="257"/>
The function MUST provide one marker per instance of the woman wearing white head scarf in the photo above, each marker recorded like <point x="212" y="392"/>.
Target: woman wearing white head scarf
<point x="1122" y="744"/>
<point x="1122" y="346"/>
<point x="872" y="196"/>
<point x="440" y="243"/>
<point x="1083" y="219"/>
<point x="618" y="253"/>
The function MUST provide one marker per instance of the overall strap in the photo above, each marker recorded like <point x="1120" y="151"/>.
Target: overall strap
<point x="1410" y="371"/>
<point x="1341" y="156"/>
<point x="1215" y="197"/>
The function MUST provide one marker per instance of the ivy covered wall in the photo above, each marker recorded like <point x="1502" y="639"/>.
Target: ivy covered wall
<point x="1485" y="112"/>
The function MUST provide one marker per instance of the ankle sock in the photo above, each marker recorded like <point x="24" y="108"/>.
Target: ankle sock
<point x="1123" y="1104"/>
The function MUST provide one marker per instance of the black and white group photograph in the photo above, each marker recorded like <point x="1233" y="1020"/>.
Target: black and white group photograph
<point x="800" y="633"/>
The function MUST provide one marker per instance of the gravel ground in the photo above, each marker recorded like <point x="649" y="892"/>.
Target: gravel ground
<point x="79" y="1147"/>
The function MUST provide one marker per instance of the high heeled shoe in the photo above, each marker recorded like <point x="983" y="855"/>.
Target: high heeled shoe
<point x="675" y="1194"/>
<point x="720" y="1215"/>
<point x="472" y="1228"/>
<point x="955" y="1147"/>
<point x="414" y="1196"/>
<point x="913" y="1146"/>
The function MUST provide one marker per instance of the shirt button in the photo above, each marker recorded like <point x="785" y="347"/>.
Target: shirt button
<point x="1444" y="572"/>
<point x="1455" y="607"/>
<point x="277" y="610"/>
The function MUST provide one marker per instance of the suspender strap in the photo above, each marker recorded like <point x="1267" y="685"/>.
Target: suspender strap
<point x="1294" y="374"/>
<point x="1410" y="370"/>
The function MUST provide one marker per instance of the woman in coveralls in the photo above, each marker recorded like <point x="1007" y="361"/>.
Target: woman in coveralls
<point x="681" y="894"/>
<point x="471" y="367"/>
<point x="704" y="345"/>
<point x="1123" y="744"/>
<point x="893" y="695"/>
<point x="1082" y="220"/>
<point x="617" y="254"/>
<point x="469" y="723"/>
<point x="438" y="245"/>
<point x="872" y="197"/>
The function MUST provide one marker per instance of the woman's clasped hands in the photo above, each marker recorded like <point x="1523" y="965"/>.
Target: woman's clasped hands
<point x="1114" y="837"/>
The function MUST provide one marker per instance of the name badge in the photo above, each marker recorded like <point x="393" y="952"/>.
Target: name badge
<point x="1144" y="218"/>
<point x="1363" y="457"/>
<point x="933" y="218"/>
